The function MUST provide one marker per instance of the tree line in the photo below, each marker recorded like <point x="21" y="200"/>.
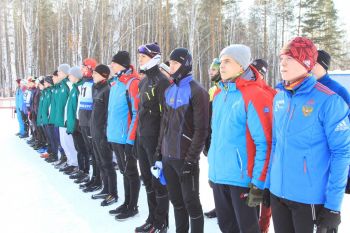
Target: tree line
<point x="38" y="35"/>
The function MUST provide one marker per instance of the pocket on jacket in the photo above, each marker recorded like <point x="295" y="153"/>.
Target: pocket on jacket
<point x="306" y="170"/>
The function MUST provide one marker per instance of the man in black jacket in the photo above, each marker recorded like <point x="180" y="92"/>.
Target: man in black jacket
<point x="84" y="112"/>
<point x="102" y="151"/>
<point x="184" y="130"/>
<point x="151" y="92"/>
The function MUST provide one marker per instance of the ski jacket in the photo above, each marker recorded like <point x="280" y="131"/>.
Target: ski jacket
<point x="151" y="95"/>
<point x="121" y="126"/>
<point x="241" y="132"/>
<point x="185" y="121"/>
<point x="311" y="145"/>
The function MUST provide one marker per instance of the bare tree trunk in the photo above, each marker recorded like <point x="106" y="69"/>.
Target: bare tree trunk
<point x="11" y="40"/>
<point x="5" y="74"/>
<point x="81" y="6"/>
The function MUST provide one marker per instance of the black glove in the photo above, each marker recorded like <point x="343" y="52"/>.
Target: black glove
<point x="266" y="198"/>
<point x="128" y="149"/>
<point x="255" y="196"/>
<point x="157" y="156"/>
<point x="15" y="111"/>
<point x="188" y="169"/>
<point x="328" y="219"/>
<point x="347" y="189"/>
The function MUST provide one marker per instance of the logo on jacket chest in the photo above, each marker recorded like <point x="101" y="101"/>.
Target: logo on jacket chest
<point x="279" y="104"/>
<point x="308" y="108"/>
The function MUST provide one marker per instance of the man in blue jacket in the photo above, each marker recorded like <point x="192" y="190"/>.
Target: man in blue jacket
<point x="19" y="103"/>
<point x="310" y="148"/>
<point x="121" y="129"/>
<point x="241" y="141"/>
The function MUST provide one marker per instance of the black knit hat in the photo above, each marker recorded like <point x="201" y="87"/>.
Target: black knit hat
<point x="261" y="65"/>
<point x="179" y="55"/>
<point x="122" y="58"/>
<point x="48" y="79"/>
<point x="184" y="57"/>
<point x="324" y="59"/>
<point x="103" y="70"/>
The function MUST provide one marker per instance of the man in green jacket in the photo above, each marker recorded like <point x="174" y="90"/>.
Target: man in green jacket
<point x="72" y="123"/>
<point x="52" y="129"/>
<point x="63" y="89"/>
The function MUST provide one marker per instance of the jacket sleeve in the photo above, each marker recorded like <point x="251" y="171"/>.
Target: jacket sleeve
<point x="200" y="106"/>
<point x="334" y="117"/>
<point x="273" y="144"/>
<point x="134" y="86"/>
<point x="259" y="121"/>
<point x="163" y="125"/>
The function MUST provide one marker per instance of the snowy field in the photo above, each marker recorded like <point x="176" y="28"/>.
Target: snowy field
<point x="36" y="198"/>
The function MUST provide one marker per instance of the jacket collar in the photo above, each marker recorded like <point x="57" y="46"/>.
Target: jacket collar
<point x="129" y="74"/>
<point x="184" y="81"/>
<point x="304" y="87"/>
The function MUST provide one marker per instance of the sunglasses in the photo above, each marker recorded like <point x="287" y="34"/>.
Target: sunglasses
<point x="145" y="50"/>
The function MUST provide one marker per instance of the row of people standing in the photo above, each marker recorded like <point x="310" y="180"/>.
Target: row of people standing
<point x="289" y="148"/>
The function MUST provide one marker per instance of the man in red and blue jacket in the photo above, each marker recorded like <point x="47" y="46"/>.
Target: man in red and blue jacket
<point x="121" y="129"/>
<point x="241" y="141"/>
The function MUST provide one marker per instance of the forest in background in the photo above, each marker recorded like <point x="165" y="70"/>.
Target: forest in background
<point x="38" y="35"/>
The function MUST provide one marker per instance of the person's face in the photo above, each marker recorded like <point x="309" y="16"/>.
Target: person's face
<point x="174" y="66"/>
<point x="213" y="72"/>
<point x="116" y="67"/>
<point x="31" y="84"/>
<point x="41" y="87"/>
<point x="291" y="69"/>
<point x="229" y="68"/>
<point x="143" y="59"/>
<point x="318" y="71"/>
<point x="61" y="75"/>
<point x="84" y="69"/>
<point x="46" y="84"/>
<point x="55" y="79"/>
<point x="73" y="79"/>
<point x="97" y="77"/>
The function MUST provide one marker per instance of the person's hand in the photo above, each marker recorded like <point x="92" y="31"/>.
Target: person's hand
<point x="188" y="169"/>
<point x="255" y="196"/>
<point x="328" y="219"/>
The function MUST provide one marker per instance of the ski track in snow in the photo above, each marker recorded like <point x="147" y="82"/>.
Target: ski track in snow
<point x="36" y="198"/>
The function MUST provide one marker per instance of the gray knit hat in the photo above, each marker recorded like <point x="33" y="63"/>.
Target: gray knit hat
<point x="238" y="52"/>
<point x="76" y="72"/>
<point x="64" y="68"/>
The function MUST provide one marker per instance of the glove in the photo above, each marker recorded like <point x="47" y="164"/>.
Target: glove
<point x="189" y="168"/>
<point x="128" y="149"/>
<point x="15" y="111"/>
<point x="328" y="219"/>
<point x="255" y="196"/>
<point x="266" y="198"/>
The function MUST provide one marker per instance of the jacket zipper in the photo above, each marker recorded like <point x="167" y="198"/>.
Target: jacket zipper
<point x="185" y="136"/>
<point x="240" y="163"/>
<point x="306" y="171"/>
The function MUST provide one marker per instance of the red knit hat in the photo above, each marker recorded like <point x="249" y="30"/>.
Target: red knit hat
<point x="90" y="63"/>
<point x="303" y="50"/>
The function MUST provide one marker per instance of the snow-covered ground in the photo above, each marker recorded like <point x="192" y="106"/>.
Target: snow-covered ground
<point x="36" y="198"/>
